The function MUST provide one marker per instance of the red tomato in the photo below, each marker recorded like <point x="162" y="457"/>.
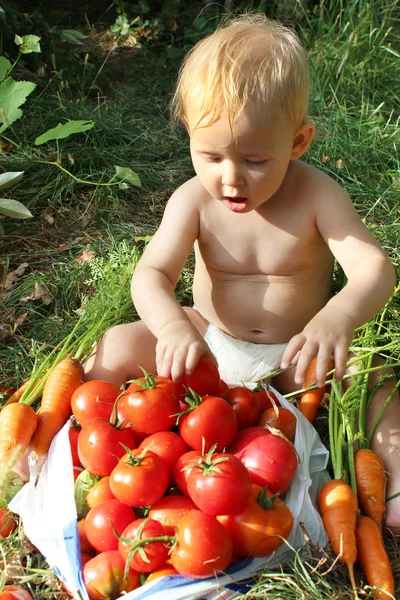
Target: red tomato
<point x="245" y="404"/>
<point x="162" y="572"/>
<point x="100" y="520"/>
<point x="270" y="459"/>
<point x="180" y="473"/>
<point x="154" y="406"/>
<point x="101" y="445"/>
<point x="168" y="446"/>
<point x="204" y="380"/>
<point x="204" y="547"/>
<point x="77" y="471"/>
<point x="222" y="387"/>
<point x="7" y="522"/>
<point x="73" y="435"/>
<point x="265" y="397"/>
<point x="169" y="510"/>
<point x="14" y="592"/>
<point x="212" y="422"/>
<point x="85" y="557"/>
<point x="104" y="577"/>
<point x="94" y="399"/>
<point x="156" y="552"/>
<point x="84" y="543"/>
<point x="260" y="527"/>
<point x="99" y="492"/>
<point x="219" y="484"/>
<point x="140" y="479"/>
<point x="282" y="419"/>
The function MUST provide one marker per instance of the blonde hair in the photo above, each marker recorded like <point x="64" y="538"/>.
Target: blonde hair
<point x="250" y="58"/>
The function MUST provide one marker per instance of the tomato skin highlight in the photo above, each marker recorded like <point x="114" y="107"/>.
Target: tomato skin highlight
<point x="168" y="446"/>
<point x="282" y="419"/>
<point x="270" y="459"/>
<point x="14" y="592"/>
<point x="101" y="445"/>
<point x="99" y="522"/>
<point x="204" y="380"/>
<point x="169" y="510"/>
<point x="220" y="492"/>
<point x="153" y="409"/>
<point x="7" y="522"/>
<point x="104" y="576"/>
<point x="245" y="404"/>
<point x="156" y="552"/>
<point x="213" y="420"/>
<point x="204" y="546"/>
<point x="255" y="530"/>
<point x="93" y="399"/>
<point x="139" y="485"/>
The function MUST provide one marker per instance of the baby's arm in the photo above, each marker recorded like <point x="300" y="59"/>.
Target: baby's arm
<point x="179" y="344"/>
<point x="370" y="282"/>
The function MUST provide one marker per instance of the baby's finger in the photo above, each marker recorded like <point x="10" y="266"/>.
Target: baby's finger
<point x="292" y="349"/>
<point x="323" y="359"/>
<point x="308" y="352"/>
<point x="178" y="365"/>
<point x="193" y="356"/>
<point x="341" y="356"/>
<point x="164" y="363"/>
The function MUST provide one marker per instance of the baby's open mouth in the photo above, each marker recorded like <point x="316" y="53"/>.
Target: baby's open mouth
<point x="236" y="199"/>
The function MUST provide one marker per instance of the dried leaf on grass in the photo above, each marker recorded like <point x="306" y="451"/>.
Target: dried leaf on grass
<point x="86" y="255"/>
<point x="40" y="292"/>
<point x="13" y="276"/>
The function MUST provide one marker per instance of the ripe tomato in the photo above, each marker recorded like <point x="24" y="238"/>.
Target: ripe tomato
<point x="104" y="576"/>
<point x="94" y="399"/>
<point x="204" y="380"/>
<point x="140" y="478"/>
<point x="245" y="405"/>
<point x="7" y="522"/>
<point x="168" y="446"/>
<point x="101" y="444"/>
<point x="101" y="519"/>
<point x="219" y="484"/>
<point x="222" y="388"/>
<point x="259" y="528"/>
<point x="265" y="397"/>
<point x="270" y="459"/>
<point x="154" y="406"/>
<point x="180" y="473"/>
<point x="84" y="543"/>
<point x="73" y="435"/>
<point x="14" y="592"/>
<point x="162" y="572"/>
<point x="282" y="419"/>
<point x="212" y="422"/>
<point x="156" y="552"/>
<point x="99" y="492"/>
<point x="169" y="511"/>
<point x="203" y="548"/>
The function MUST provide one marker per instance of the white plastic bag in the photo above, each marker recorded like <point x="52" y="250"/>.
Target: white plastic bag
<point x="47" y="509"/>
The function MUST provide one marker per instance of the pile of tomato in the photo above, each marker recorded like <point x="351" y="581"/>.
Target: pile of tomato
<point x="189" y="477"/>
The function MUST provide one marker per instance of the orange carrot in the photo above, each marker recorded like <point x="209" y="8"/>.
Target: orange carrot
<point x="371" y="484"/>
<point x="16" y="396"/>
<point x="17" y="424"/>
<point x="372" y="557"/>
<point x="310" y="401"/>
<point x="55" y="407"/>
<point x="338" y="507"/>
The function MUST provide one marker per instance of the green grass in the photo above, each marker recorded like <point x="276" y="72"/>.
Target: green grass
<point x="354" y="49"/>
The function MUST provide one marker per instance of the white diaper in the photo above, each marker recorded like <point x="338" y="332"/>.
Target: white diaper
<point x="240" y="361"/>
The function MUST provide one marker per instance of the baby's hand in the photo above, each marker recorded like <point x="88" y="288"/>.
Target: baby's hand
<point x="178" y="350"/>
<point x="328" y="335"/>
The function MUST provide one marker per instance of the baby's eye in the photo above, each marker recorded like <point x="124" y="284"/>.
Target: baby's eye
<point x="212" y="159"/>
<point x="255" y="162"/>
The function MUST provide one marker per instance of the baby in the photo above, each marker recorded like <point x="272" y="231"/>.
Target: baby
<point x="266" y="228"/>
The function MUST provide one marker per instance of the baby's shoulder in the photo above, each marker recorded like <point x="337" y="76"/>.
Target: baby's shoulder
<point x="191" y="192"/>
<point x="313" y="183"/>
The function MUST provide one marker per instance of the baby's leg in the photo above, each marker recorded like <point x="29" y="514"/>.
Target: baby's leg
<point x="123" y="349"/>
<point x="386" y="442"/>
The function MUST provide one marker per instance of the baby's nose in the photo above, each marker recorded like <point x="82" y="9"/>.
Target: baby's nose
<point x="231" y="174"/>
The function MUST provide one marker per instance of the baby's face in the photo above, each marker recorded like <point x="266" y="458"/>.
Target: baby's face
<point x="245" y="169"/>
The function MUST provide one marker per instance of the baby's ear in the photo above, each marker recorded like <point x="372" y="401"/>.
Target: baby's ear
<point x="302" y="139"/>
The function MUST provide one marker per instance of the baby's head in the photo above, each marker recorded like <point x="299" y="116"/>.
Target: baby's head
<point x="249" y="62"/>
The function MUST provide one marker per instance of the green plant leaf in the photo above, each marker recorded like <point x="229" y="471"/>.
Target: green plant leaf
<point x="30" y="43"/>
<point x="126" y="174"/>
<point x="83" y="484"/>
<point x="10" y="178"/>
<point x="63" y="130"/>
<point x="5" y="66"/>
<point x="12" y="95"/>
<point x="13" y="208"/>
<point x="72" y="37"/>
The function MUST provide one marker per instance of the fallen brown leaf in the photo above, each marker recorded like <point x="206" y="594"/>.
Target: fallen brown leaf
<point x="47" y="217"/>
<point x="86" y="255"/>
<point x="13" y="276"/>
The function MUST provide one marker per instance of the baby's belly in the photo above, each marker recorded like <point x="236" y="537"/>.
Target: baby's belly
<point x="260" y="309"/>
